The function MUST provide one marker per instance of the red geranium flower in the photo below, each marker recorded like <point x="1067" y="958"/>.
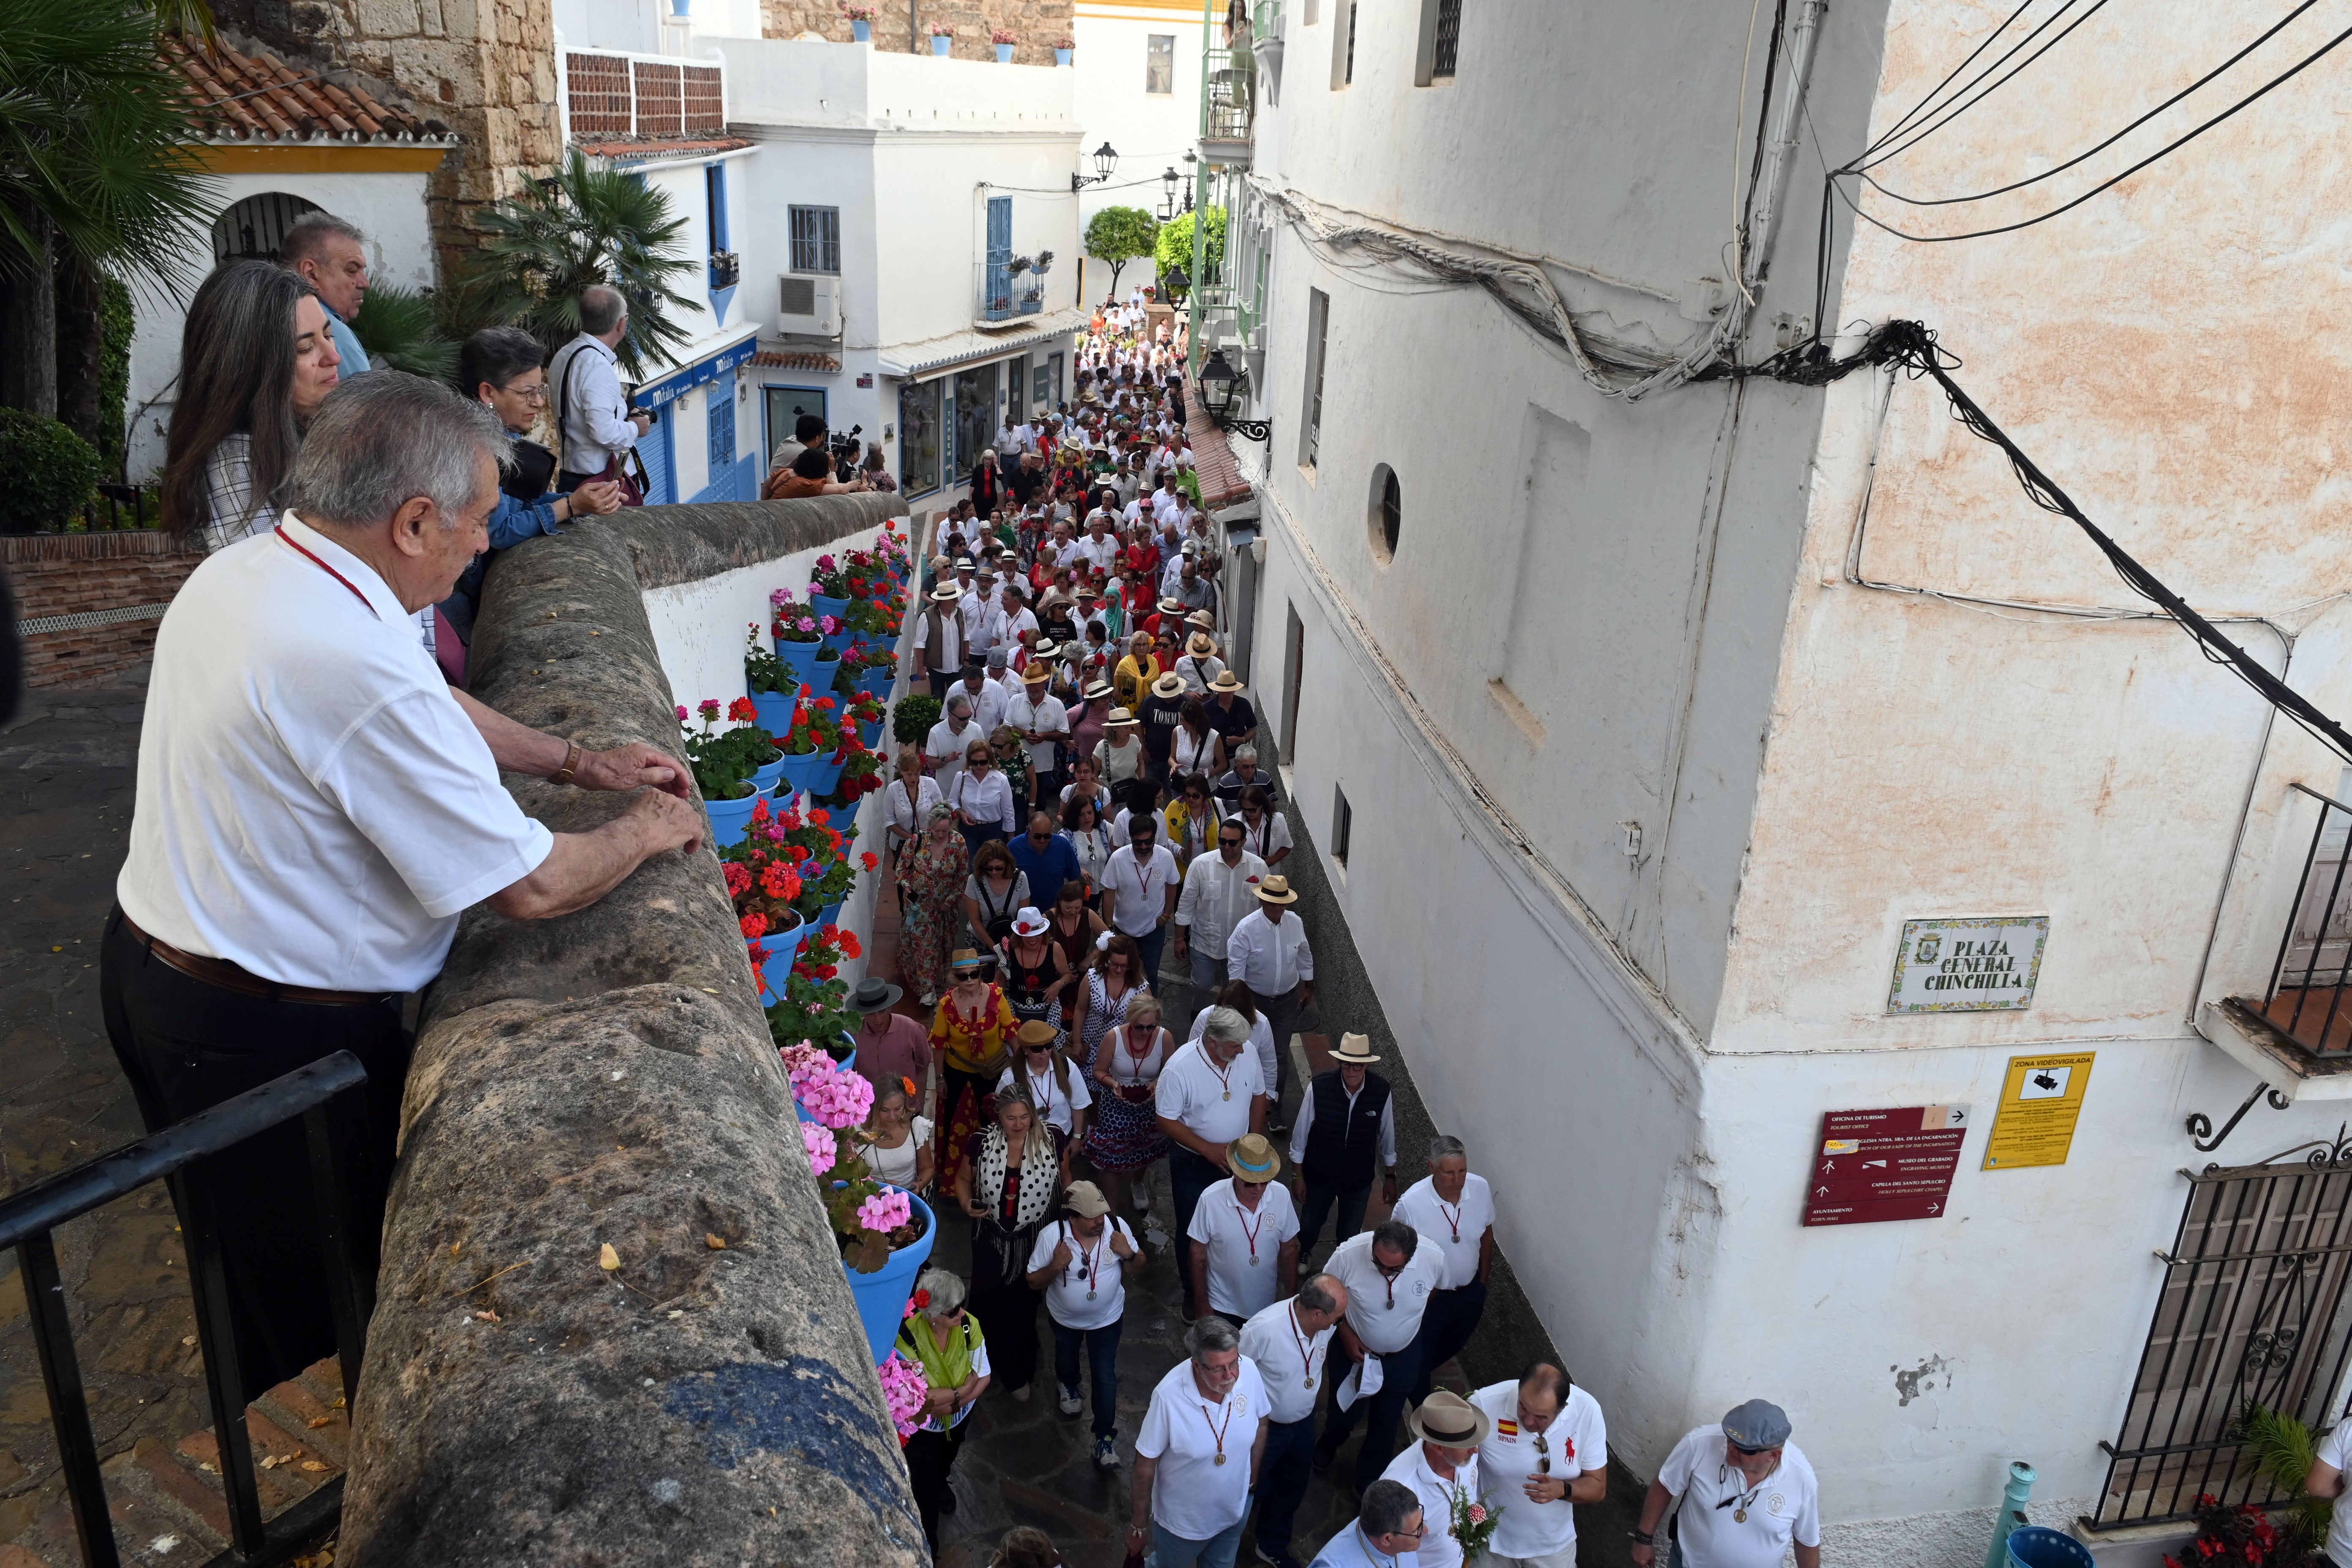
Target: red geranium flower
<point x="869" y="859"/>
<point x="755" y="924"/>
<point x="739" y="880"/>
<point x="742" y="711"/>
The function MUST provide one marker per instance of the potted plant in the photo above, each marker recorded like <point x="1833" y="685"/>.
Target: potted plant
<point x="774" y="685"/>
<point x="884" y="1233"/>
<point x="861" y="774"/>
<point x="763" y="881"/>
<point x="861" y="21"/>
<point x="912" y="716"/>
<point x="824" y="716"/>
<point x="942" y="39"/>
<point x="1063" y="49"/>
<point x="807" y="745"/>
<point x="829" y="586"/>
<point x="864" y="715"/>
<point x="796" y="631"/>
<point x="723" y="763"/>
<point x="1004" y="38"/>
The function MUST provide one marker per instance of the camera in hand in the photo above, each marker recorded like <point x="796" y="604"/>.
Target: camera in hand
<point x="653" y="416"/>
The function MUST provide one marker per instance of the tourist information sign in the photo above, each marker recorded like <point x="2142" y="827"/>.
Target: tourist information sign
<point x="1871" y="1166"/>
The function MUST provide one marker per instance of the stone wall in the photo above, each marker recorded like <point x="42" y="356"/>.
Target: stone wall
<point x="1039" y="22"/>
<point x="60" y="574"/>
<point x="486" y="67"/>
<point x="607" y="1078"/>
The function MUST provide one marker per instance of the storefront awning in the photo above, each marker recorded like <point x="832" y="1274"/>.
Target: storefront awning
<point x="913" y="362"/>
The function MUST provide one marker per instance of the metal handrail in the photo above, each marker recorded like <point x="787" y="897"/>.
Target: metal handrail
<point x="322" y="1094"/>
<point x="2311" y="979"/>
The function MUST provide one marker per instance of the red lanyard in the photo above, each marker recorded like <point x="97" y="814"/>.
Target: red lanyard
<point x="280" y="531"/>
<point x="1249" y="1230"/>
<point x="1453" y="1220"/>
<point x="1219" y="1432"/>
<point x="1306" y="1348"/>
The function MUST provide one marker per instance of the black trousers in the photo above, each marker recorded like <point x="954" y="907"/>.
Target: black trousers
<point x="186" y="1046"/>
<point x="931" y="1457"/>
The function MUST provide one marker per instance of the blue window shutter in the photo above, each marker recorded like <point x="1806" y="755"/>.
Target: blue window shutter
<point x="714" y="181"/>
<point x="1000" y="254"/>
<point x="721" y="422"/>
<point x="654" y="451"/>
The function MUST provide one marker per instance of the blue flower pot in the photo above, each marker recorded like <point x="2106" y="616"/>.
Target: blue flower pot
<point x="826" y="777"/>
<point x="767" y="777"/>
<point x="861" y="29"/>
<point x="940" y="45"/>
<point x="871" y="733"/>
<point x="839" y="643"/>
<point x="825" y="606"/>
<point x="1004" y="54"/>
<point x="821" y="671"/>
<point x="798" y="656"/>
<point x="825" y="916"/>
<point x="783" y="948"/>
<point x="1062" y="57"/>
<point x="775" y="709"/>
<point x="882" y="1296"/>
<point x="728" y="816"/>
<point x="797" y="771"/>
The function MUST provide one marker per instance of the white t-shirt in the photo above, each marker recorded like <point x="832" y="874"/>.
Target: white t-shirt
<point x="1575" y="1442"/>
<point x="1384" y="1312"/>
<point x="1139" y="890"/>
<point x="1048" y="716"/>
<point x="1211" y="1100"/>
<point x="1785" y="1507"/>
<point x="1291" y="1363"/>
<point x="2332" y="1451"/>
<point x="1455" y="1228"/>
<point x="312" y="803"/>
<point x="1090" y="1292"/>
<point x="1244" y="1246"/>
<point x="1436" y="1492"/>
<point x="1270" y="837"/>
<point x="1195" y="1497"/>
<point x="1051" y="1103"/>
<point x="896" y="1166"/>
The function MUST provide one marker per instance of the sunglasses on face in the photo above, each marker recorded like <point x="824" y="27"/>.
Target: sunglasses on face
<point x="1746" y="1453"/>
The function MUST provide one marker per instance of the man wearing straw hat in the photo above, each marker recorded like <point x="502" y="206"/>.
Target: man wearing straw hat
<point x="1748" y="1496"/>
<point x="1242" y="1244"/>
<point x="1200" y="665"/>
<point x="1082" y="1263"/>
<point x="1045" y="723"/>
<point x="1209" y="1093"/>
<point x="1267" y="951"/>
<point x="1442" y="1469"/>
<point x="942" y="638"/>
<point x="1347" y="1121"/>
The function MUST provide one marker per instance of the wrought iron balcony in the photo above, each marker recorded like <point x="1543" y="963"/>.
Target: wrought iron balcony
<point x="1001" y="293"/>
<point x="2309" y="1001"/>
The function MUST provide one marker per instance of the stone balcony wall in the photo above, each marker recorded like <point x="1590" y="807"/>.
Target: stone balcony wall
<point x="1039" y="22"/>
<point x="607" y="1078"/>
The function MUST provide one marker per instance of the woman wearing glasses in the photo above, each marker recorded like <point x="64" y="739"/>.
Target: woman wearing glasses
<point x="945" y="1341"/>
<point x="505" y="367"/>
<point x="982" y="798"/>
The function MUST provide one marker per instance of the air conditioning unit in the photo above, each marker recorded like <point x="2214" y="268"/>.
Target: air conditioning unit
<point x="809" y="306"/>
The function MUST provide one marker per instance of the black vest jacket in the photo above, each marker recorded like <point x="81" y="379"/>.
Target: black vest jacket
<point x="1343" y="1149"/>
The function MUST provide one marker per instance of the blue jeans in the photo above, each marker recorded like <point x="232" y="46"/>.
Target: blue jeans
<point x="1207" y="975"/>
<point x="1175" y="1552"/>
<point x="1150" y="946"/>
<point x="1318" y="1207"/>
<point x="1189" y="1176"/>
<point x="1401" y="1370"/>
<point x="1102" y="1360"/>
<point x="1281" y="1477"/>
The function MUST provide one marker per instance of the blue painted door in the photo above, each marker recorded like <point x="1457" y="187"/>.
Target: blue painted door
<point x="721" y="421"/>
<point x="999" y="302"/>
<point x="654" y="451"/>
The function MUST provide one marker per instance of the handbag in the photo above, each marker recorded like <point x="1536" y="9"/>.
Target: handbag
<point x="533" y="472"/>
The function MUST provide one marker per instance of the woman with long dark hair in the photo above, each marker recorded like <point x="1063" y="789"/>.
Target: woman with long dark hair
<point x="256" y="361"/>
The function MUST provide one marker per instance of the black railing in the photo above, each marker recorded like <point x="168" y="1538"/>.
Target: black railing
<point x="321" y="1094"/>
<point x="2310" y="982"/>
<point x="119" y="507"/>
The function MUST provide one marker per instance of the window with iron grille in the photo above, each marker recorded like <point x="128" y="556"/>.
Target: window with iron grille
<point x="1449" y="38"/>
<point x="817" y="239"/>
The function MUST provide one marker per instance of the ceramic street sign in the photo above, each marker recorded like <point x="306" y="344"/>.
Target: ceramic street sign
<point x="1873" y="1166"/>
<point x="1983" y="964"/>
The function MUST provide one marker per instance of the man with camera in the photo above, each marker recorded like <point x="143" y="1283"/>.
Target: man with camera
<point x="595" y="428"/>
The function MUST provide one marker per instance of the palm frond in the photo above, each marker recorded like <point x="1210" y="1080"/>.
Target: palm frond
<point x="2283" y="1450"/>
<point x="398" y="329"/>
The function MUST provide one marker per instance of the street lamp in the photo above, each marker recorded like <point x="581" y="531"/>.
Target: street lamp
<point x="1106" y="159"/>
<point x="1220" y="384"/>
<point x="1168" y="196"/>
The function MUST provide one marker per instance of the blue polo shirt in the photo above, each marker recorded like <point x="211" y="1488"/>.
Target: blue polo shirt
<point x="1048" y="869"/>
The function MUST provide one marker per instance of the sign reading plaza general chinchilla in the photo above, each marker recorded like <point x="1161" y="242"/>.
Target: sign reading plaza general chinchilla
<point x="1979" y="963"/>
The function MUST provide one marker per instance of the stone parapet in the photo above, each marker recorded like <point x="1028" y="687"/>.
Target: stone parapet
<point x="607" y="1078"/>
<point x="1039" y="22"/>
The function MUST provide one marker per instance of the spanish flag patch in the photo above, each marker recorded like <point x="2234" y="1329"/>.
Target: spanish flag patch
<point x="1507" y="1428"/>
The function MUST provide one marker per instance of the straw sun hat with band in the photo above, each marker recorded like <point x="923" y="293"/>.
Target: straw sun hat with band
<point x="1252" y="1160"/>
<point x="1449" y="1421"/>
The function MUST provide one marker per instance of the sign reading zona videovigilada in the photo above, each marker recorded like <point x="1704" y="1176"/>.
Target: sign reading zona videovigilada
<point x="1978" y="963"/>
<point x="1884" y="1165"/>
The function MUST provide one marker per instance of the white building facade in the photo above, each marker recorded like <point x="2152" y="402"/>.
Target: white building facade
<point x="1138" y="91"/>
<point x="1689" y="705"/>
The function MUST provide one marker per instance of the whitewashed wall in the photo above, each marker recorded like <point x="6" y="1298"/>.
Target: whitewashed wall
<point x="1150" y="131"/>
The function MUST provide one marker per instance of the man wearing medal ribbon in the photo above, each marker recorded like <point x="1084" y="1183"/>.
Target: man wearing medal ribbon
<point x="1549" y="1451"/>
<point x="315" y="808"/>
<point x="1389" y="1272"/>
<point x="1748" y="1496"/>
<point x="1082" y="1263"/>
<point x="1197" y="1458"/>
<point x="1453" y="1210"/>
<point x="1245" y="1233"/>
<point x="1210" y="1092"/>
<point x="1442" y="1467"/>
<point x="1289" y="1342"/>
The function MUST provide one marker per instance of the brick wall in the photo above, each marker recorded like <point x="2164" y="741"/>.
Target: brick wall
<point x="76" y="573"/>
<point x="1039" y="22"/>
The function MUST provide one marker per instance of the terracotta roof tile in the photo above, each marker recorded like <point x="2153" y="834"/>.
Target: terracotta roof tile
<point x="244" y="98"/>
<point x="772" y="359"/>
<point x="655" y="146"/>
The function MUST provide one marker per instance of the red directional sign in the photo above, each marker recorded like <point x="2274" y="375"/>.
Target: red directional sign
<point x="1884" y="1165"/>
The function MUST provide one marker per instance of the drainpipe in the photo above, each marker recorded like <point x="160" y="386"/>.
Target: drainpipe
<point x="1782" y="153"/>
<point x="2012" y="1515"/>
<point x="914" y="25"/>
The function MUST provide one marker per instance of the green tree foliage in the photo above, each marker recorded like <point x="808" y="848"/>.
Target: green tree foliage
<point x="51" y="473"/>
<point x="400" y="332"/>
<point x="1174" y="248"/>
<point x="117" y="323"/>
<point x="585" y="225"/>
<point x="1119" y="234"/>
<point x="2284" y="1450"/>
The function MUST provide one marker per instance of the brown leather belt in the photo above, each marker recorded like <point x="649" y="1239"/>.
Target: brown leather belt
<point x="234" y="977"/>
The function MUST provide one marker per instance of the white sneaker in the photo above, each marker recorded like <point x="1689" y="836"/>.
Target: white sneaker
<point x="1069" y="1405"/>
<point x="1021" y="1394"/>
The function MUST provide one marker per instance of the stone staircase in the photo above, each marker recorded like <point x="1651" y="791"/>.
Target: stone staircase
<point x="167" y="1501"/>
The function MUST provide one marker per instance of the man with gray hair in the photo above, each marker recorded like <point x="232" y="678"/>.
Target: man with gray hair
<point x="1388" y="1525"/>
<point x="1454" y="1209"/>
<point x="1197" y="1455"/>
<point x="315" y="808"/>
<point x="594" y="427"/>
<point x="330" y="256"/>
<point x="1290" y="1343"/>
<point x="1210" y="1092"/>
<point x="950" y="738"/>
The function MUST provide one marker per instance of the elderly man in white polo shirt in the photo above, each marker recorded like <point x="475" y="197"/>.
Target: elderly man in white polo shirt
<point x="1139" y="884"/>
<point x="1748" y="1496"/>
<point x="1289" y="1341"/>
<point x="1219" y="889"/>
<point x="1196" y="1459"/>
<point x="1244" y="1235"/>
<point x="1441" y="1466"/>
<point x="1388" y="1529"/>
<point x="1454" y="1209"/>
<point x="315" y="807"/>
<point x="1209" y="1093"/>
<point x="1389" y="1271"/>
<point x="1267" y="951"/>
<point x="1549" y="1451"/>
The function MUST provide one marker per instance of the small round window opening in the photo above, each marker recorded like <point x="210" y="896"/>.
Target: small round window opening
<point x="1385" y="515"/>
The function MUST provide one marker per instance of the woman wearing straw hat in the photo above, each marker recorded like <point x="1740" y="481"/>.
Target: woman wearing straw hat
<point x="1442" y="1469"/>
<point x="972" y="1035"/>
<point x="1120" y="756"/>
<point x="1161" y="715"/>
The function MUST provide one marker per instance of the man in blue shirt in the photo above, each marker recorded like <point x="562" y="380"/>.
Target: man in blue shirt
<point x="1046" y="857"/>
<point x="332" y="257"/>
